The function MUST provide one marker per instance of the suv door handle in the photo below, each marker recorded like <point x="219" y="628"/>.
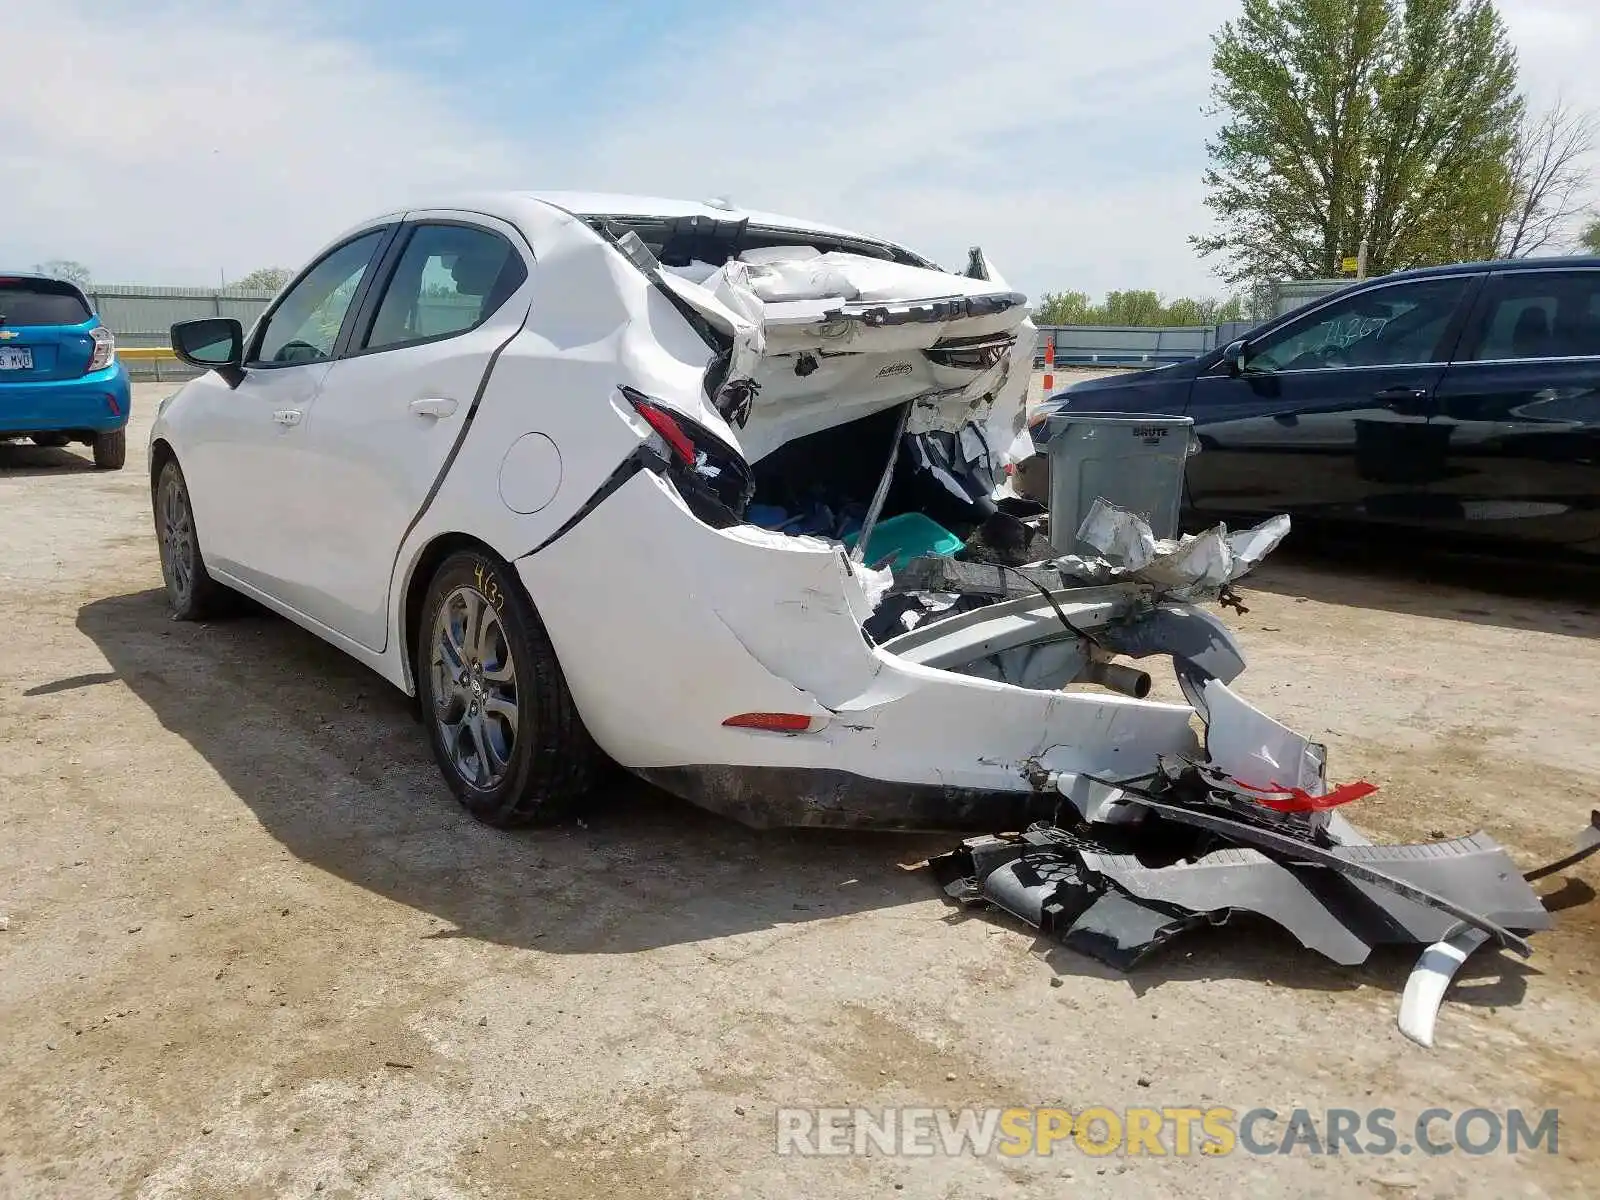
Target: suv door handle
<point x="1408" y="401"/>
<point x="433" y="407"/>
<point x="287" y="416"/>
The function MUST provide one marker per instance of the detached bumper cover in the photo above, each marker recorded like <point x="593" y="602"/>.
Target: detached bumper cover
<point x="98" y="403"/>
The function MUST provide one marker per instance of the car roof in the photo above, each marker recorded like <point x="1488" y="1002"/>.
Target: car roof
<point x="1502" y="264"/>
<point x="38" y="275"/>
<point x="509" y="205"/>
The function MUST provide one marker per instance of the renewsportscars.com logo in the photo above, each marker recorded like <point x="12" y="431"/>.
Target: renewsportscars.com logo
<point x="1177" y="1132"/>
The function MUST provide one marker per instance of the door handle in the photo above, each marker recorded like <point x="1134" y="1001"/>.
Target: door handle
<point x="287" y="416"/>
<point x="1408" y="401"/>
<point x="433" y="407"/>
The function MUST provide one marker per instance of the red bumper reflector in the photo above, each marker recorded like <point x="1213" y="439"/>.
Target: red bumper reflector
<point x="111" y="403"/>
<point x="771" y="722"/>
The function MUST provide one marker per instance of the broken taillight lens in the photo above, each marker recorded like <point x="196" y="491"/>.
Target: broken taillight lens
<point x="701" y="464"/>
<point x="664" y="423"/>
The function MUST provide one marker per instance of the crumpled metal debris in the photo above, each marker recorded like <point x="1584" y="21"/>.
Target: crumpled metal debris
<point x="1207" y="846"/>
<point x="1194" y="567"/>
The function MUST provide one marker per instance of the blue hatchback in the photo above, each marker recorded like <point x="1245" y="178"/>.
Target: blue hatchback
<point x="60" y="380"/>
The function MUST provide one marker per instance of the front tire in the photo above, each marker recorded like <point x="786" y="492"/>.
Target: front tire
<point x="500" y="719"/>
<point x="191" y="592"/>
<point x="111" y="450"/>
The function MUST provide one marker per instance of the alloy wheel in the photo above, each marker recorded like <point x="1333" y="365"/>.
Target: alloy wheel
<point x="177" y="539"/>
<point x="474" y="687"/>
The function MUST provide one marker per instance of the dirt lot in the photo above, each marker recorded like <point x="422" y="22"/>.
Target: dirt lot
<point x="252" y="949"/>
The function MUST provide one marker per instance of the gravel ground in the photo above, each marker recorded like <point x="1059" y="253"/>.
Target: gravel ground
<point x="250" y="947"/>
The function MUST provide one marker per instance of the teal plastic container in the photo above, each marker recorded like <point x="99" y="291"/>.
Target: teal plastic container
<point x="908" y="536"/>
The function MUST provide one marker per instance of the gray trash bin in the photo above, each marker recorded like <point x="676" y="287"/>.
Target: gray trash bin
<point x="1135" y="462"/>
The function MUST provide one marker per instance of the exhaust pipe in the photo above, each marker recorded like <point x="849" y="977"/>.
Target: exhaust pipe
<point x="1130" y="681"/>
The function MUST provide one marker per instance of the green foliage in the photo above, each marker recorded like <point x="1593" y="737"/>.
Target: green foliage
<point x="266" y="279"/>
<point x="1386" y="120"/>
<point x="1590" y="237"/>
<point x="65" y="268"/>
<point x="1137" y="308"/>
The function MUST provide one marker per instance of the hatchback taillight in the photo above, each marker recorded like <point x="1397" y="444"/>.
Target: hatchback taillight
<point x="105" y="348"/>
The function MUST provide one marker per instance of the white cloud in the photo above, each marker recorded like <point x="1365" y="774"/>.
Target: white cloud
<point x="184" y="142"/>
<point x="1065" y="137"/>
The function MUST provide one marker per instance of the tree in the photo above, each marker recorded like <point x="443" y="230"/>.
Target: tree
<point x="265" y="279"/>
<point x="1142" y="309"/>
<point x="65" y="268"/>
<point x="1590" y="238"/>
<point x="1550" y="179"/>
<point x="1389" y="121"/>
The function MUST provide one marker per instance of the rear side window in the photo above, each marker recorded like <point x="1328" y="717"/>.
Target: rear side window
<point x="1541" y="314"/>
<point x="450" y="278"/>
<point x="40" y="302"/>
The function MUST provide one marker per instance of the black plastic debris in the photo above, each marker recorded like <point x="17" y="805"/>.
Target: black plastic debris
<point x="1200" y="851"/>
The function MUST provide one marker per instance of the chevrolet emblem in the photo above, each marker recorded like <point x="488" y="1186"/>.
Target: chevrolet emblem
<point x="7" y="334"/>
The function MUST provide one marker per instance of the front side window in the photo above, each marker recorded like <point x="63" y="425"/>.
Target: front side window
<point x="451" y="278"/>
<point x="1386" y="327"/>
<point x="1541" y="314"/>
<point x="305" y="326"/>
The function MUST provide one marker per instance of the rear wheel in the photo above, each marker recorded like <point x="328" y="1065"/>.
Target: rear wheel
<point x="111" y="450"/>
<point x="191" y="592"/>
<point x="501" y="722"/>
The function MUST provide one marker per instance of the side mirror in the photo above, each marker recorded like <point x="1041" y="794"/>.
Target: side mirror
<point x="212" y="344"/>
<point x="1235" y="356"/>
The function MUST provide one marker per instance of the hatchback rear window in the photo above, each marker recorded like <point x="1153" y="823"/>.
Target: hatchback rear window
<point x="40" y="302"/>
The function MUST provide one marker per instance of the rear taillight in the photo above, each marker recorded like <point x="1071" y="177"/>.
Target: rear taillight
<point x="664" y="423"/>
<point x="105" y="348"/>
<point x="703" y="465"/>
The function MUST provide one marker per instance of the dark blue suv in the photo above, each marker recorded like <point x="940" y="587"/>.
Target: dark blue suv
<point x="1461" y="399"/>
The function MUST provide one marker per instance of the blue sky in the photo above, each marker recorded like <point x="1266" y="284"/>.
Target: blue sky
<point x="1065" y="136"/>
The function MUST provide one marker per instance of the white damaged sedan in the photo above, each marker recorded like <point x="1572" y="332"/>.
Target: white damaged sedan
<point x="611" y="477"/>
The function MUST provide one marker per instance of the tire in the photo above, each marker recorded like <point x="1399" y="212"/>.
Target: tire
<point x="500" y="719"/>
<point x="111" y="451"/>
<point x="50" y="441"/>
<point x="192" y="594"/>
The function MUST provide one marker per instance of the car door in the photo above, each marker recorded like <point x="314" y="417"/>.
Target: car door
<point x="393" y="408"/>
<point x="1519" y="414"/>
<point x="1328" y="414"/>
<point x="238" y="443"/>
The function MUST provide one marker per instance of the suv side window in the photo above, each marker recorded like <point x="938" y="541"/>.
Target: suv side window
<point x="1540" y="314"/>
<point x="1386" y="327"/>
<point x="450" y="279"/>
<point x="305" y="325"/>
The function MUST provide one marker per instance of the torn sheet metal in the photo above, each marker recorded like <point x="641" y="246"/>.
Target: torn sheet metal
<point x="816" y="337"/>
<point x="1239" y="880"/>
<point x="1193" y="567"/>
<point x="1430" y="979"/>
<point x="1250" y="746"/>
<point x="1204" y="853"/>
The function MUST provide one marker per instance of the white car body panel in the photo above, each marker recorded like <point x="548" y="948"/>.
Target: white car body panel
<point x="664" y="626"/>
<point x="739" y="621"/>
<point x="362" y="453"/>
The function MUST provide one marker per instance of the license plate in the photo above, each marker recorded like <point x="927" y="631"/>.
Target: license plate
<point x="16" y="360"/>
